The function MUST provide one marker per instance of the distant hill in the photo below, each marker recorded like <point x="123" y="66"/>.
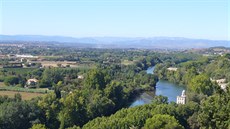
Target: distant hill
<point x="124" y="42"/>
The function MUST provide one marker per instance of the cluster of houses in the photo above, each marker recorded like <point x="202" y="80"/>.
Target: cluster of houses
<point x="221" y="82"/>
<point x="17" y="61"/>
<point x="26" y="60"/>
<point x="32" y="83"/>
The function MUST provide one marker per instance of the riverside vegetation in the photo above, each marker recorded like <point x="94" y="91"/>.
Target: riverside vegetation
<point x="113" y="79"/>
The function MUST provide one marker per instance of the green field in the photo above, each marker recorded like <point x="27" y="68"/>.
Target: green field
<point x="25" y="95"/>
<point x="127" y="62"/>
<point x="18" y="70"/>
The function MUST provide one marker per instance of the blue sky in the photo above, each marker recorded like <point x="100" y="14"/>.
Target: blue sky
<point x="207" y="19"/>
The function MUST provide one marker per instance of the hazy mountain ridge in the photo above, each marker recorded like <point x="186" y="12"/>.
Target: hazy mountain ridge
<point x="124" y="42"/>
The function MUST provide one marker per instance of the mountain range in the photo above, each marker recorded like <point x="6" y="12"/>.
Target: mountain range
<point x="123" y="42"/>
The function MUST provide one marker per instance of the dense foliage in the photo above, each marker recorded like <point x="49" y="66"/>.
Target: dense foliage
<point x="98" y="97"/>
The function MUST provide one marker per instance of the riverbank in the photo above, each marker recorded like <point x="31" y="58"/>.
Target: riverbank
<point x="163" y="87"/>
<point x="143" y="98"/>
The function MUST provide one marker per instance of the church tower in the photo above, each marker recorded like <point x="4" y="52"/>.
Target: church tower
<point x="181" y="99"/>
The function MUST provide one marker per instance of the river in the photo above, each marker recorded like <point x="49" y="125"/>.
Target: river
<point x="163" y="87"/>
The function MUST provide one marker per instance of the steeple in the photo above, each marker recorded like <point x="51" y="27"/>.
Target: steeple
<point x="183" y="94"/>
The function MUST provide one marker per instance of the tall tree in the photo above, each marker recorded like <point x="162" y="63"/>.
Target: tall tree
<point x="162" y="122"/>
<point x="201" y="84"/>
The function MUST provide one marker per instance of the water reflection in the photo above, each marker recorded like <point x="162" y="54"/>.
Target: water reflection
<point x="164" y="88"/>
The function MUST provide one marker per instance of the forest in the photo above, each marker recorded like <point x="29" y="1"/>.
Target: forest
<point x="98" y="97"/>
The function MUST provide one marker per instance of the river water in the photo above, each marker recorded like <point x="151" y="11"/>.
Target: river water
<point x="163" y="87"/>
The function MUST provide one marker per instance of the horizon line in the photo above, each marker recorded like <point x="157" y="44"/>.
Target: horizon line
<point x="109" y="36"/>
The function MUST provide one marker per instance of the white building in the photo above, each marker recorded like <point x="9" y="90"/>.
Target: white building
<point x="24" y="56"/>
<point x="172" y="69"/>
<point x="80" y="77"/>
<point x="31" y="83"/>
<point x="222" y="83"/>
<point x="181" y="99"/>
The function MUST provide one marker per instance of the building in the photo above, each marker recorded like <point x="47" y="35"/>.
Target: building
<point x="80" y="77"/>
<point x="25" y="56"/>
<point x="31" y="83"/>
<point x="222" y="83"/>
<point x="181" y="99"/>
<point x="219" y="81"/>
<point x="172" y="69"/>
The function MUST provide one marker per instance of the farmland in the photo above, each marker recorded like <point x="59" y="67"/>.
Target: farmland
<point x="127" y="62"/>
<point x="25" y="95"/>
<point x="92" y="88"/>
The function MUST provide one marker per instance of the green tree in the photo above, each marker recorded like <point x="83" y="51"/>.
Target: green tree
<point x="162" y="122"/>
<point x="18" y="97"/>
<point x="115" y="92"/>
<point x="51" y="76"/>
<point x="215" y="111"/>
<point x="96" y="79"/>
<point x="160" y="99"/>
<point x="99" y="106"/>
<point x="38" y="126"/>
<point x="19" y="115"/>
<point x="74" y="127"/>
<point x="193" y="121"/>
<point x="11" y="80"/>
<point x="50" y="106"/>
<point x="74" y="110"/>
<point x="201" y="84"/>
<point x="190" y="73"/>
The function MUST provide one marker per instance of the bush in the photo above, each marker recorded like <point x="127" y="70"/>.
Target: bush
<point x="11" y="81"/>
